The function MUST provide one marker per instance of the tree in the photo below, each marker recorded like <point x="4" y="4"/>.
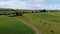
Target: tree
<point x="32" y="11"/>
<point x="18" y="13"/>
<point x="44" y="10"/>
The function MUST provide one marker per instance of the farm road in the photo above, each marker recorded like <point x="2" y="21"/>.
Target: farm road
<point x="35" y="28"/>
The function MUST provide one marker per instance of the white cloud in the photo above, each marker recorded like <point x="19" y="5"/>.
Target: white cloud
<point x="51" y="7"/>
<point x="13" y="4"/>
<point x="18" y="4"/>
<point x="36" y="0"/>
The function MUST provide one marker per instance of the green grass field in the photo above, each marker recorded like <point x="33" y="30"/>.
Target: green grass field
<point x="10" y="25"/>
<point x="48" y="23"/>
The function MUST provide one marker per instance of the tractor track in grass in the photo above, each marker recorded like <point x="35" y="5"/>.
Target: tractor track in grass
<point x="35" y="28"/>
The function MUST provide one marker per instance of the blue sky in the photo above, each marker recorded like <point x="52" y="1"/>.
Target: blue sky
<point x="30" y="4"/>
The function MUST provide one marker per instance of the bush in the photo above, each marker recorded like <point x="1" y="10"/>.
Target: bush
<point x="52" y="31"/>
<point x="18" y="13"/>
<point x="32" y="11"/>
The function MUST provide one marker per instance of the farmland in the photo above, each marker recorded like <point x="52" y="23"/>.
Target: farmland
<point x="12" y="26"/>
<point x="48" y="23"/>
<point x="40" y="22"/>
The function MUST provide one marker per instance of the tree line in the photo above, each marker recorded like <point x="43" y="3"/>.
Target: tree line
<point x="17" y="12"/>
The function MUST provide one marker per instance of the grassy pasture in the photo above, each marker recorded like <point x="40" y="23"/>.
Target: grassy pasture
<point x="10" y="25"/>
<point x="55" y="13"/>
<point x="51" y="22"/>
<point x="50" y="17"/>
<point x="5" y="12"/>
<point x="46" y="22"/>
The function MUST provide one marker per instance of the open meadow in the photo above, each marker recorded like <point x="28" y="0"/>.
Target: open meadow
<point x="10" y="25"/>
<point x="29" y="22"/>
<point x="47" y="22"/>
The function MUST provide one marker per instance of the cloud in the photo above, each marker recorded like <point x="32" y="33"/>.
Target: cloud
<point x="51" y="7"/>
<point x="27" y="4"/>
<point x="19" y="4"/>
<point x="35" y="0"/>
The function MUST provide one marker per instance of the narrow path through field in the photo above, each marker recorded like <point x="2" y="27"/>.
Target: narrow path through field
<point x="35" y="28"/>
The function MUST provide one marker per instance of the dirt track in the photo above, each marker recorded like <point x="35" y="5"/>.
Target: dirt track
<point x="35" y="28"/>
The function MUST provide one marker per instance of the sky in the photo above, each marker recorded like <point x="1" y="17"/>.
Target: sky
<point x="30" y="4"/>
